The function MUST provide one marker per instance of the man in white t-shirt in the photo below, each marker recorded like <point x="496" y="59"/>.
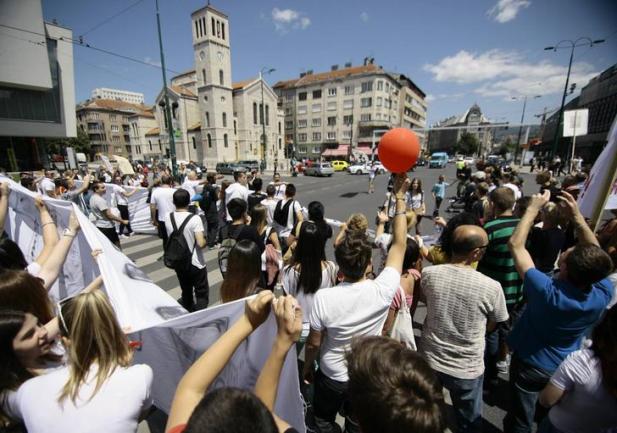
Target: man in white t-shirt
<point x="287" y="213"/>
<point x="161" y="204"/>
<point x="279" y="187"/>
<point x="270" y="203"/>
<point x="508" y="183"/>
<point x="462" y="304"/>
<point x="356" y="307"/>
<point x="194" y="277"/>
<point x="121" y="195"/>
<point x="193" y="186"/>
<point x="47" y="186"/>
<point x="101" y="214"/>
<point x="238" y="189"/>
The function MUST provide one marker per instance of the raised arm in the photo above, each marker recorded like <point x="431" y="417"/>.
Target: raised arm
<point x="399" y="230"/>
<point x="584" y="235"/>
<point x="202" y="373"/>
<point x="50" y="269"/>
<point x="340" y="236"/>
<point x="85" y="185"/>
<point x="382" y="219"/>
<point x="4" y="203"/>
<point x="50" y="232"/>
<point x="522" y="259"/>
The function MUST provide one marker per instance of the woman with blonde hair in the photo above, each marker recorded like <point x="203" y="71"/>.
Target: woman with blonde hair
<point x="355" y="224"/>
<point x="98" y="390"/>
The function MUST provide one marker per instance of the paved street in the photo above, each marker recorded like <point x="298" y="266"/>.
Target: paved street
<point x="341" y="194"/>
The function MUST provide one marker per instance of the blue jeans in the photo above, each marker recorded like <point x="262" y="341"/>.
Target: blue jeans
<point x="526" y="382"/>
<point x="466" y="395"/>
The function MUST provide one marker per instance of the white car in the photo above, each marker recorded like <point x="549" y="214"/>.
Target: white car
<point x="358" y="169"/>
<point x="469" y="159"/>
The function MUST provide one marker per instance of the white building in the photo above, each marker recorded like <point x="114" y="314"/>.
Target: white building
<point x="122" y="95"/>
<point x="214" y="119"/>
<point x="37" y="88"/>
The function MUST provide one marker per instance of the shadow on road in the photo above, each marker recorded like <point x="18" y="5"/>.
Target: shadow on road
<point x="352" y="194"/>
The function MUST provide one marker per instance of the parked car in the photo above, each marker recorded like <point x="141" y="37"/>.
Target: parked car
<point x="340" y="165"/>
<point x="319" y="169"/>
<point x="357" y="169"/>
<point x="250" y="164"/>
<point x="229" y="167"/>
<point x="469" y="159"/>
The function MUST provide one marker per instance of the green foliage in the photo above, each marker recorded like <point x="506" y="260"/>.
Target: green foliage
<point x="508" y="146"/>
<point x="468" y="144"/>
<point x="81" y="143"/>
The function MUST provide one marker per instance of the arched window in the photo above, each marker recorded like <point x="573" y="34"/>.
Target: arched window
<point x="224" y="120"/>
<point x="225" y="141"/>
<point x="207" y="119"/>
<point x="221" y="80"/>
<point x="267" y="114"/>
<point x="194" y="143"/>
<point x="280" y="144"/>
<point x="255" y="113"/>
<point x="203" y="75"/>
<point x="209" y="141"/>
<point x="235" y="128"/>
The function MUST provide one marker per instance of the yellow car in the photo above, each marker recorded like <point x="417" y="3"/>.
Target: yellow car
<point x="340" y="165"/>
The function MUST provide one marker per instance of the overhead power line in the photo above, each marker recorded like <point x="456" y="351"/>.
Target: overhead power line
<point x="105" y="21"/>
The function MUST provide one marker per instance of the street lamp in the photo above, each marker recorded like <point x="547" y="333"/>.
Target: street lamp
<point x="580" y="42"/>
<point x="265" y="70"/>
<point x="520" y="128"/>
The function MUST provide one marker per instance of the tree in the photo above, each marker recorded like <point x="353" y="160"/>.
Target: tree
<point x="508" y="146"/>
<point x="81" y="144"/>
<point x="468" y="144"/>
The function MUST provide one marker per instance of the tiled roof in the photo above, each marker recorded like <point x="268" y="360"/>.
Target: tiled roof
<point x="113" y="105"/>
<point x="183" y="91"/>
<point x="242" y="84"/>
<point x="328" y="76"/>
<point x="195" y="127"/>
<point x="154" y="131"/>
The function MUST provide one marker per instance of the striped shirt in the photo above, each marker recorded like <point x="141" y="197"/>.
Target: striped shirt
<point x="497" y="262"/>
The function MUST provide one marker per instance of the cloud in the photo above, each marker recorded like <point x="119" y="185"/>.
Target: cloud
<point x="507" y="73"/>
<point x="507" y="10"/>
<point x="364" y="17"/>
<point x="429" y="98"/>
<point x="286" y="19"/>
<point x="152" y="61"/>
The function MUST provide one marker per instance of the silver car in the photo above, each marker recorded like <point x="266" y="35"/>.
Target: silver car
<point x="319" y="169"/>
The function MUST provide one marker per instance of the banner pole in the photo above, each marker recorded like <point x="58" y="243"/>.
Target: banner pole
<point x="609" y="180"/>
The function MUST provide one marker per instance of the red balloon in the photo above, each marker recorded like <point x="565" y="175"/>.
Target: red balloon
<point x="399" y="149"/>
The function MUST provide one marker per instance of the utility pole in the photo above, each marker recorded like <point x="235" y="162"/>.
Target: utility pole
<point x="520" y="128"/>
<point x="172" y="142"/>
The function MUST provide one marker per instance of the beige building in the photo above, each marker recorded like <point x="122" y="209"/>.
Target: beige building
<point x="139" y="124"/>
<point x="339" y="113"/>
<point x="107" y="124"/>
<point x="122" y="95"/>
<point x="214" y="119"/>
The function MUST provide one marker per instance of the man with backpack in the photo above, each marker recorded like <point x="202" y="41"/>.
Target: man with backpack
<point x="287" y="214"/>
<point x="183" y="252"/>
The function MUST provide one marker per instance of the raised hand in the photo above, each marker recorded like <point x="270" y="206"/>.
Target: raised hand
<point x="258" y="308"/>
<point x="288" y="319"/>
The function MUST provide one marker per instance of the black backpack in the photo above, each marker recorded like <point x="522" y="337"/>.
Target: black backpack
<point x="177" y="254"/>
<point x="281" y="213"/>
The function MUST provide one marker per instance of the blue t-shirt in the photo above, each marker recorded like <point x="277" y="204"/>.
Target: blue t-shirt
<point x="440" y="189"/>
<point x="556" y="319"/>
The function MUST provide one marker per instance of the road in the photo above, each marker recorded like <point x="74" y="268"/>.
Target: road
<point x="342" y="194"/>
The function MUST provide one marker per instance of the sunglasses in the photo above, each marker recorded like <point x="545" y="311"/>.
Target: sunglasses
<point x="59" y="305"/>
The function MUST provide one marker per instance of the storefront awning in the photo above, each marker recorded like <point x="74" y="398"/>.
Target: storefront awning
<point x="341" y="150"/>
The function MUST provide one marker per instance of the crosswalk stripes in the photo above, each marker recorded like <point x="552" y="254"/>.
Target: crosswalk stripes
<point x="147" y="251"/>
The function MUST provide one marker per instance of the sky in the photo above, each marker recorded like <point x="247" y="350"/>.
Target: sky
<point x="458" y="52"/>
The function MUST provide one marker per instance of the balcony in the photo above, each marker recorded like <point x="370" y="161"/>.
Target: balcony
<point x="375" y="123"/>
<point x="96" y="126"/>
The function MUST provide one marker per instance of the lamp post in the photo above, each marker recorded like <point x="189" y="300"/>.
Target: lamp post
<point x="172" y="142"/>
<point x="262" y="112"/>
<point x="520" y="128"/>
<point x="580" y="42"/>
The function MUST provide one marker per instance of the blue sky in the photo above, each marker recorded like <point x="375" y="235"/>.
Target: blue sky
<point x="457" y="51"/>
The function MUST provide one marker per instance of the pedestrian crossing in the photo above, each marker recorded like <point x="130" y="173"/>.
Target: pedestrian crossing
<point x="147" y="253"/>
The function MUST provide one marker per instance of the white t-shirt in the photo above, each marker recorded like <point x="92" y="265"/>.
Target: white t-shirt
<point x="290" y="285"/>
<point x="270" y="204"/>
<point x="98" y="206"/>
<point x="416" y="199"/>
<point x="279" y="190"/>
<point x="115" y="408"/>
<point x="190" y="186"/>
<point x="285" y="231"/>
<point x="193" y="226"/>
<point x="118" y="192"/>
<point x="347" y="311"/>
<point x="235" y="190"/>
<point x="163" y="198"/>
<point x="586" y="405"/>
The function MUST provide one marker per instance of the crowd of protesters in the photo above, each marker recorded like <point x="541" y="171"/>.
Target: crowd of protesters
<point x="512" y="285"/>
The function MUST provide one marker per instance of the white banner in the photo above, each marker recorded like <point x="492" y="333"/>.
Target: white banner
<point x="575" y="122"/>
<point x="601" y="174"/>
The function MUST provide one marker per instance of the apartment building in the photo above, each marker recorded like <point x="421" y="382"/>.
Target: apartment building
<point x="122" y="95"/>
<point x="139" y="124"/>
<point x="107" y="124"/>
<point x="340" y="113"/>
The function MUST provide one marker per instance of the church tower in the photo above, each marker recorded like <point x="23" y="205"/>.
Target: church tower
<point x="210" y="29"/>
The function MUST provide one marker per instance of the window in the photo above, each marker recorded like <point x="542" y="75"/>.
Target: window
<point x="114" y="128"/>
<point x="288" y="111"/>
<point x="316" y="122"/>
<point x="387" y="87"/>
<point x="213" y="29"/>
<point x="332" y="91"/>
<point x="331" y="135"/>
<point x="289" y="137"/>
<point x="280" y="144"/>
<point x="209" y="141"/>
<point x="302" y="109"/>
<point x="348" y="120"/>
<point x="235" y="127"/>
<point x="332" y="106"/>
<point x="316" y="136"/>
<point x="218" y="28"/>
<point x="203" y="76"/>
<point x="316" y="108"/>
<point x="255" y="113"/>
<point x="223" y="30"/>
<point x="302" y="96"/>
<point x="112" y="117"/>
<point x="267" y="115"/>
<point x="365" y="117"/>
<point x="289" y="124"/>
<point x="332" y="121"/>
<point x="289" y="97"/>
<point x="225" y="141"/>
<point x="261" y="114"/>
<point x="221" y="81"/>
<point x="301" y="149"/>
<point x="347" y="134"/>
<point x="207" y="119"/>
<point x="194" y="143"/>
<point x="301" y="123"/>
<point x="380" y="85"/>
<point x="378" y="102"/>
<point x="317" y="94"/>
<point x="317" y="149"/>
<point x="348" y="90"/>
<point x="347" y="104"/>
<point x="150" y="144"/>
<point x="302" y="137"/>
<point x="366" y="102"/>
<point x="279" y="127"/>
<point x="367" y="86"/>
<point x="224" y="120"/>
